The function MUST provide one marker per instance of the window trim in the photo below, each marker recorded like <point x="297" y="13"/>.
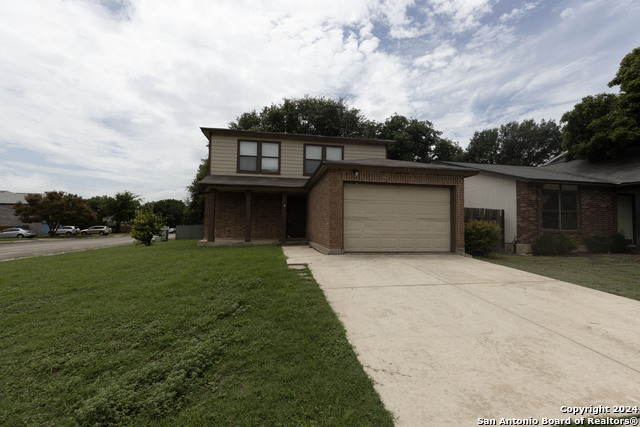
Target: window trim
<point x="259" y="157"/>
<point x="324" y="155"/>
<point x="560" y="211"/>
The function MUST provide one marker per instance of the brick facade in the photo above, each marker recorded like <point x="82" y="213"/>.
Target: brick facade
<point x="230" y="214"/>
<point x="597" y="212"/>
<point x="325" y="219"/>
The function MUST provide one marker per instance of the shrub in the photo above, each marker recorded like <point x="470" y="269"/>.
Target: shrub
<point x="598" y="243"/>
<point x="551" y="244"/>
<point x="481" y="237"/>
<point x="618" y="243"/>
<point x="146" y="225"/>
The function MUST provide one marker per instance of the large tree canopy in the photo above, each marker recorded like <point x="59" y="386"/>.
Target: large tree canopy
<point x="602" y="126"/>
<point x="55" y="208"/>
<point x="525" y="143"/>
<point x="307" y="116"/>
<point x="415" y="140"/>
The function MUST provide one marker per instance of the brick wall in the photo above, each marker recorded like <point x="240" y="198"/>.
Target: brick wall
<point x="325" y="214"/>
<point x="527" y="209"/>
<point x="266" y="214"/>
<point x="597" y="212"/>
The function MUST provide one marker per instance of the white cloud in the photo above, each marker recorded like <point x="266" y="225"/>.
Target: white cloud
<point x="110" y="95"/>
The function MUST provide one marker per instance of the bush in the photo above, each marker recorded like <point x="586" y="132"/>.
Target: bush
<point x="551" y="244"/>
<point x="618" y="243"/>
<point x="146" y="225"/>
<point x="481" y="237"/>
<point x="598" y="243"/>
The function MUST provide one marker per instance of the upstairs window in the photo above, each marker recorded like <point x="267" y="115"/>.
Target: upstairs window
<point x="315" y="154"/>
<point x="560" y="207"/>
<point x="259" y="157"/>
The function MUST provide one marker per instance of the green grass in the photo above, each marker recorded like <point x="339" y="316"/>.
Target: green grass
<point x="174" y="334"/>
<point x="617" y="274"/>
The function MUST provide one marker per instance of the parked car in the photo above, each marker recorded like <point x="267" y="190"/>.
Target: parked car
<point x="102" y="230"/>
<point x="15" y="232"/>
<point x="67" y="230"/>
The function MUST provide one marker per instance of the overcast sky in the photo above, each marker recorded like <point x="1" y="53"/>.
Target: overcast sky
<point x="102" y="96"/>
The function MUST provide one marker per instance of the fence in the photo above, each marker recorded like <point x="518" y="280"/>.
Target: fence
<point x="184" y="232"/>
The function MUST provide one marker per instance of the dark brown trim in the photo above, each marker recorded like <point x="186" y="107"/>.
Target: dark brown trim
<point x="324" y="155"/>
<point x="258" y="158"/>
<point x="210" y="132"/>
<point x="247" y="217"/>
<point x="283" y="218"/>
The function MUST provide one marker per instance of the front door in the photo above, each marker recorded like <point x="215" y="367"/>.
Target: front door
<point x="296" y="217"/>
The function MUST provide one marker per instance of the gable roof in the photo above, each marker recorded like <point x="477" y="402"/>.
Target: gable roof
<point x="528" y="173"/>
<point x="622" y="171"/>
<point x="208" y="132"/>
<point x="625" y="170"/>
<point x="9" y="198"/>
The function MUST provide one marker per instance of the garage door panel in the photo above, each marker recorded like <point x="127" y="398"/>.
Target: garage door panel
<point x="393" y="218"/>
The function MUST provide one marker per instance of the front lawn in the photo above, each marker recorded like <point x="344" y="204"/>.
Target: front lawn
<point x="618" y="274"/>
<point x="174" y="334"/>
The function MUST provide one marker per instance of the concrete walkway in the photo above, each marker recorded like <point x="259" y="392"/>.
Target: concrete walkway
<point x="450" y="340"/>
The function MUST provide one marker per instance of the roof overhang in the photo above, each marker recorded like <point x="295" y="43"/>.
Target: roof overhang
<point x="386" y="165"/>
<point x="241" y="183"/>
<point x="209" y="132"/>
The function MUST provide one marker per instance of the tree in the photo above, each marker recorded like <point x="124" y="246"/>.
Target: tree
<point x="171" y="210"/>
<point x="308" y="116"/>
<point x="603" y="126"/>
<point x="522" y="144"/>
<point x="55" y="208"/>
<point x="585" y="124"/>
<point x="123" y="207"/>
<point x="416" y="140"/>
<point x="484" y="147"/>
<point x="100" y="205"/>
<point x="146" y="225"/>
<point x="194" y="213"/>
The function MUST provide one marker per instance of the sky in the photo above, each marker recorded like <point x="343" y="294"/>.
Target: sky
<point x="104" y="96"/>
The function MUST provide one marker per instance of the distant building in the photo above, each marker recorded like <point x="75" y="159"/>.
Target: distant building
<point x="8" y="217"/>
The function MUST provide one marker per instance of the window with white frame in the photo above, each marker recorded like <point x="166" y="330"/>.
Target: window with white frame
<point x="259" y="157"/>
<point x="315" y="154"/>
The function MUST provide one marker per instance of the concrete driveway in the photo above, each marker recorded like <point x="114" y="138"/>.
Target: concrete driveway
<point x="450" y="340"/>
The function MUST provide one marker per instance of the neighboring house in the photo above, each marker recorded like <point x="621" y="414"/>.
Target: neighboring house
<point x="577" y="197"/>
<point x="8" y="217"/>
<point x="337" y="194"/>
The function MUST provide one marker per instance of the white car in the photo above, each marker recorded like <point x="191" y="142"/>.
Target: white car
<point x="66" y="230"/>
<point x="16" y="233"/>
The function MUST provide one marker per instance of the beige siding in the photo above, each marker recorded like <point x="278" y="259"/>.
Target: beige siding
<point x="224" y="155"/>
<point x="492" y="192"/>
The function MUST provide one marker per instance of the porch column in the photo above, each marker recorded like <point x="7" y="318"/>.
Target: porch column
<point x="210" y="214"/>
<point x="247" y="216"/>
<point x="283" y="222"/>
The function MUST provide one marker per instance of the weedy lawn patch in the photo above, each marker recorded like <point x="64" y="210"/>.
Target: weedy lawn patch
<point x="617" y="274"/>
<point x="174" y="334"/>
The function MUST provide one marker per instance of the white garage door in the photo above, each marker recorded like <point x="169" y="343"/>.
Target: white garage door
<point x="395" y="218"/>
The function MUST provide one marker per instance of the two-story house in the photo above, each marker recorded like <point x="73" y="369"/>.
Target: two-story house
<point x="337" y="194"/>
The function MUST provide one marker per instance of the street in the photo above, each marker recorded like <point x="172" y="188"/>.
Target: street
<point x="33" y="247"/>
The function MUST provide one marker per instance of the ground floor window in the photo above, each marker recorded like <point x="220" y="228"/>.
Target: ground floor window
<point x="560" y="207"/>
